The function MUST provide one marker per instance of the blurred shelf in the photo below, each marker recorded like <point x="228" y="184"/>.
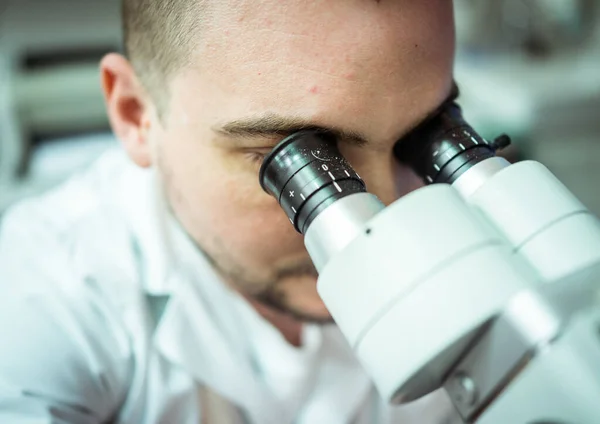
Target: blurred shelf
<point x="53" y="162"/>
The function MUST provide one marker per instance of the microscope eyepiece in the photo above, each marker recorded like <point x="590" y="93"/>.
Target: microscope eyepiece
<point x="306" y="173"/>
<point x="445" y="147"/>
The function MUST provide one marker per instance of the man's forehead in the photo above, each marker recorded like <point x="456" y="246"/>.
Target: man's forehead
<point x="327" y="61"/>
<point x="306" y="17"/>
<point x="333" y="37"/>
<point x="250" y="9"/>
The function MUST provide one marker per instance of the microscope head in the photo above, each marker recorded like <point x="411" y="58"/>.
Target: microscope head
<point x="306" y="173"/>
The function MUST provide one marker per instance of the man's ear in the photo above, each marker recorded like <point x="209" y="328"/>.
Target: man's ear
<point x="129" y="108"/>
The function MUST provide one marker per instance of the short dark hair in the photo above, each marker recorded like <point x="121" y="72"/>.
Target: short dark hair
<point x="158" y="38"/>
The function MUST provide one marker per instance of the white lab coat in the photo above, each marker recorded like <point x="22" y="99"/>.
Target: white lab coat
<point x="108" y="313"/>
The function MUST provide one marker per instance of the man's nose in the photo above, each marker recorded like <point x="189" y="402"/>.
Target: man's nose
<point x="382" y="173"/>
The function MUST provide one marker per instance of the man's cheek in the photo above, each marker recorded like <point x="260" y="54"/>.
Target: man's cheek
<point x="240" y="199"/>
<point x="244" y="192"/>
<point x="255" y="241"/>
<point x="261" y="225"/>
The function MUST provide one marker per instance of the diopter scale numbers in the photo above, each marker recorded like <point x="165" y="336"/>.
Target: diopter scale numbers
<point x="342" y="173"/>
<point x="450" y="150"/>
<point x="328" y="175"/>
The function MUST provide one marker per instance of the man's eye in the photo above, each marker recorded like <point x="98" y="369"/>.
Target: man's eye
<point x="256" y="157"/>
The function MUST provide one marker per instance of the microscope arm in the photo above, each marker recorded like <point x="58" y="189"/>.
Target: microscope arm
<point x="538" y="361"/>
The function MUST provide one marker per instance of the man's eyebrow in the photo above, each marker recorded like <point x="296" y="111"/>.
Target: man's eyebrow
<point x="272" y="125"/>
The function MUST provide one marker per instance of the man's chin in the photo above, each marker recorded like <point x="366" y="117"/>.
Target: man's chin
<point x="315" y="313"/>
<point x="310" y="318"/>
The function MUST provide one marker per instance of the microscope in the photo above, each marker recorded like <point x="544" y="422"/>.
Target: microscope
<point x="485" y="282"/>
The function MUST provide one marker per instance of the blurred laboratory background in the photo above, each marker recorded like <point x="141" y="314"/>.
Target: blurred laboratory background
<point x="528" y="68"/>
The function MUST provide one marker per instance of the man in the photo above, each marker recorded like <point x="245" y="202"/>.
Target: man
<point x="167" y="287"/>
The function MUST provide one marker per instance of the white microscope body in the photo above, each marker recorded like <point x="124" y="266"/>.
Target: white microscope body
<point x="488" y="287"/>
<point x="486" y="282"/>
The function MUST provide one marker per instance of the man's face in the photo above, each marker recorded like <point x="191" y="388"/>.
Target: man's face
<point x="374" y="68"/>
